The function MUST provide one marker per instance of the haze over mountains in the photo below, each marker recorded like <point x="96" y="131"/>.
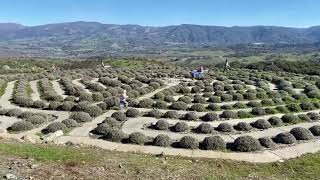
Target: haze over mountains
<point x="91" y="37"/>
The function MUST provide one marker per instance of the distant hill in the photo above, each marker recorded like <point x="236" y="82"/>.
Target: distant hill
<point x="93" y="37"/>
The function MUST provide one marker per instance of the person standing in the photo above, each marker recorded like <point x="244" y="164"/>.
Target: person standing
<point x="226" y="66"/>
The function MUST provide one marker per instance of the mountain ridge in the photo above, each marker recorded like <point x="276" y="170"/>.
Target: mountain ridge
<point x="83" y="36"/>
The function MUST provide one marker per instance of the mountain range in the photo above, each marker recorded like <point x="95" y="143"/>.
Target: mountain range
<point x="74" y="38"/>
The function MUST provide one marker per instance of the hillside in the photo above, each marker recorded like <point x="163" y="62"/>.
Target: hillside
<point x="77" y="38"/>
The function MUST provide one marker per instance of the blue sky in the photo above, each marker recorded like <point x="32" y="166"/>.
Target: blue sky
<point x="293" y="13"/>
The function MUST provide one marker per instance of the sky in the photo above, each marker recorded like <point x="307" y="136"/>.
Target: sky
<point x="290" y="13"/>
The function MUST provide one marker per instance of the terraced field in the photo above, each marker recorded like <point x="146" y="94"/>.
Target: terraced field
<point x="249" y="116"/>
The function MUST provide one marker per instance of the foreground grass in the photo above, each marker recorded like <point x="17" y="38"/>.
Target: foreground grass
<point x="139" y="166"/>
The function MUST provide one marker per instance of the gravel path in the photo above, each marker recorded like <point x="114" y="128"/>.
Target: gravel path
<point x="57" y="88"/>
<point x="35" y="94"/>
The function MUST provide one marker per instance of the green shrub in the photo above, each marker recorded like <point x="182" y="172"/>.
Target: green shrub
<point x="225" y="127"/>
<point x="188" y="142"/>
<point x="204" y="128"/>
<point x="81" y="117"/>
<point x="179" y="106"/>
<point x="162" y="125"/>
<point x="275" y="121"/>
<point x="285" y="138"/>
<point x="190" y="116"/>
<point x="243" y="126"/>
<point x="70" y="123"/>
<point x="197" y="107"/>
<point x="137" y="138"/>
<point x="213" y="143"/>
<point x="315" y="130"/>
<point x="162" y="140"/>
<point x="267" y="142"/>
<point x="115" y="135"/>
<point x="119" y="116"/>
<point x="210" y="117"/>
<point x="246" y="144"/>
<point x="132" y="112"/>
<point x="301" y="133"/>
<point x="55" y="126"/>
<point x="290" y="118"/>
<point x="261" y="124"/>
<point x="180" y="127"/>
<point x="21" y="126"/>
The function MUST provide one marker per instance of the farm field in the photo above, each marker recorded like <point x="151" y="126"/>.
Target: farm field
<point x="247" y="117"/>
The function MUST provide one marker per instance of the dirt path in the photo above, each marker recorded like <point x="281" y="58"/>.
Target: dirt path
<point x="150" y="95"/>
<point x="5" y="103"/>
<point x="35" y="93"/>
<point x="57" y="88"/>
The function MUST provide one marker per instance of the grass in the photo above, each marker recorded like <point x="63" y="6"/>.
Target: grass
<point x="141" y="166"/>
<point x="29" y="90"/>
<point x="3" y="88"/>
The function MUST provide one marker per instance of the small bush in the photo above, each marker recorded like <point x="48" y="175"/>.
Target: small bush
<point x="213" y="107"/>
<point x="93" y="111"/>
<point x="267" y="142"/>
<point x="159" y="96"/>
<point x="70" y="123"/>
<point x="275" y="121"/>
<point x="14" y="112"/>
<point x="243" y="126"/>
<point x="171" y="115"/>
<point x="21" y="126"/>
<point x="162" y="125"/>
<point x="199" y="99"/>
<point x="185" y="99"/>
<point x="145" y="103"/>
<point x="190" y="116"/>
<point x="261" y="124"/>
<point x="112" y="101"/>
<point x="162" y="140"/>
<point x="169" y="99"/>
<point x="115" y="135"/>
<point x="160" y="105"/>
<point x="225" y="127"/>
<point x="132" y="112"/>
<point x="315" y="130"/>
<point x="307" y="106"/>
<point x="111" y="122"/>
<point x="179" y="106"/>
<point x="282" y="109"/>
<point x="304" y="117"/>
<point x="204" y="128"/>
<point x="81" y="117"/>
<point x="293" y="108"/>
<point x="285" y="138"/>
<point x="36" y="120"/>
<point x="213" y="143"/>
<point x="258" y="111"/>
<point x="154" y="113"/>
<point x="244" y="114"/>
<point x="39" y="104"/>
<point x="210" y="117"/>
<point x="214" y="99"/>
<point x="180" y="127"/>
<point x="301" y="133"/>
<point x="119" y="116"/>
<point x="313" y="116"/>
<point x="197" y="107"/>
<point x="102" y="129"/>
<point x="290" y="118"/>
<point x="188" y="142"/>
<point x="228" y="114"/>
<point x="137" y="138"/>
<point x="55" y="126"/>
<point x="246" y="144"/>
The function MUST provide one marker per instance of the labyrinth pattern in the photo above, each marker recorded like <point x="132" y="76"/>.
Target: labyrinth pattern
<point x="250" y="115"/>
